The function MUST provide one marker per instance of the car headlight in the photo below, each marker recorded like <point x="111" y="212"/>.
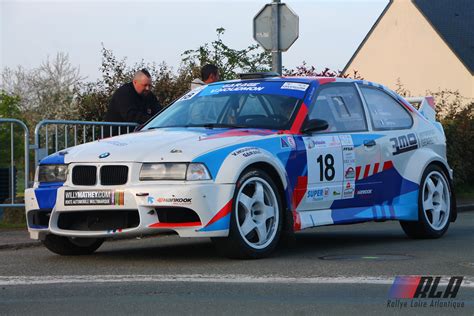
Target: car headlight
<point x="52" y="173"/>
<point x="174" y="171"/>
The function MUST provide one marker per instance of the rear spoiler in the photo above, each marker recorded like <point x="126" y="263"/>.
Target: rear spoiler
<point x="425" y="105"/>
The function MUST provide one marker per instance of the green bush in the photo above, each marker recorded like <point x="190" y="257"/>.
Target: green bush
<point x="459" y="128"/>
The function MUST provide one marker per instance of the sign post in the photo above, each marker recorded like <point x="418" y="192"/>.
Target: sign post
<point x="276" y="28"/>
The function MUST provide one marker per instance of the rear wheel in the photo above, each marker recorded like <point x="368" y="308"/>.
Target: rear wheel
<point x="72" y="246"/>
<point x="434" y="206"/>
<point x="256" y="221"/>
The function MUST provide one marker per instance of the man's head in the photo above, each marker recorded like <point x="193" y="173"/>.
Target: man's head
<point x="142" y="82"/>
<point x="210" y="73"/>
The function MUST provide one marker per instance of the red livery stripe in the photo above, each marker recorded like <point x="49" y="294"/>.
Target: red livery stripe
<point x="387" y="165"/>
<point x="326" y="80"/>
<point x="222" y="213"/>
<point x="174" y="225"/>
<point x="366" y="171"/>
<point x="357" y="172"/>
<point x="376" y="168"/>
<point x="300" y="117"/>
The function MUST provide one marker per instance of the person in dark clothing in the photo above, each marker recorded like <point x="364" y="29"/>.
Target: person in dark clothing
<point x="133" y="102"/>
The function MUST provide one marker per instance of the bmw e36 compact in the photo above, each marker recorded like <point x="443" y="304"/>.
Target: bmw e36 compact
<point x="247" y="162"/>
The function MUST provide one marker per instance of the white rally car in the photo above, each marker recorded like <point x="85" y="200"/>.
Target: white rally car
<point x="246" y="162"/>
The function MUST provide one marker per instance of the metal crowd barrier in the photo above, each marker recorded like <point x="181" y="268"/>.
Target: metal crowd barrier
<point x="49" y="136"/>
<point x="66" y="134"/>
<point x="12" y="194"/>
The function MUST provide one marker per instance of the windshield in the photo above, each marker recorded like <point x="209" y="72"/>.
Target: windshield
<point x="267" y="105"/>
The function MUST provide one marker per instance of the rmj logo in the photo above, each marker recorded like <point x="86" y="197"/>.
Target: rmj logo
<point x="424" y="287"/>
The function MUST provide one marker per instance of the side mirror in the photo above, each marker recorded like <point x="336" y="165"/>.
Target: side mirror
<point x="314" y="126"/>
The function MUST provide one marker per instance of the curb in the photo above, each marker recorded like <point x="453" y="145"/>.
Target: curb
<point x="465" y="208"/>
<point x="17" y="246"/>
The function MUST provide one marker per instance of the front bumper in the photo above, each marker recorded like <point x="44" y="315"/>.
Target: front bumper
<point x="53" y="210"/>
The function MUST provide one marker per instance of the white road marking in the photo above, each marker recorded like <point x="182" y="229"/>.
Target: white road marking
<point x="206" y="278"/>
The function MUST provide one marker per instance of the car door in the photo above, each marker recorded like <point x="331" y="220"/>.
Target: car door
<point x="336" y="156"/>
<point x="392" y="120"/>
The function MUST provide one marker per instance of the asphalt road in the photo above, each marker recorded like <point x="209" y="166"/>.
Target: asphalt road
<point x="329" y="270"/>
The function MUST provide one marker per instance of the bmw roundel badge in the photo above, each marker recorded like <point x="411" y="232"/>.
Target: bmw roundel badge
<point x="104" y="155"/>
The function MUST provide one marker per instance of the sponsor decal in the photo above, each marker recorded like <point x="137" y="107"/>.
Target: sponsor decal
<point x="114" y="231"/>
<point x="336" y="192"/>
<point x="192" y="93"/>
<point x="326" y="192"/>
<point x="346" y="140"/>
<point x="427" y="138"/>
<point x="174" y="200"/>
<point x="114" y="142"/>
<point x="404" y="143"/>
<point x="151" y="200"/>
<point x="334" y="141"/>
<point x="348" y="190"/>
<point x="246" y="152"/>
<point x="364" y="192"/>
<point x="291" y="142"/>
<point x="94" y="197"/>
<point x="349" y="173"/>
<point x="295" y="86"/>
<point x="425" y="292"/>
<point x="251" y="86"/>
<point x="315" y="195"/>
<point x="320" y="143"/>
<point x="284" y="143"/>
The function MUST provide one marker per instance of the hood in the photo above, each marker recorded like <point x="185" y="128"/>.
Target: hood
<point x="166" y="144"/>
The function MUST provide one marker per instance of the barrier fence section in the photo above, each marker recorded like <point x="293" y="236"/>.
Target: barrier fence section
<point x="8" y="169"/>
<point x="49" y="136"/>
<point x="62" y="134"/>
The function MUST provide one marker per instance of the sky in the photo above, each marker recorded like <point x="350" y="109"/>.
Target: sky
<point x="329" y="30"/>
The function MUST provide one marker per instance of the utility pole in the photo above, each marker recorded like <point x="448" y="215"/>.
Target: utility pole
<point x="276" y="52"/>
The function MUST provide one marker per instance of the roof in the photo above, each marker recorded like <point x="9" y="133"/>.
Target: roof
<point x="452" y="20"/>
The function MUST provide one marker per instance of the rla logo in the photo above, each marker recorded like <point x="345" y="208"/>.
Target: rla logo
<point x="428" y="287"/>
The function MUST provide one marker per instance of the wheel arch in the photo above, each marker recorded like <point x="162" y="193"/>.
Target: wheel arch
<point x="444" y="168"/>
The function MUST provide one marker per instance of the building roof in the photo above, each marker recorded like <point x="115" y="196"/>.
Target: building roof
<point x="452" y="20"/>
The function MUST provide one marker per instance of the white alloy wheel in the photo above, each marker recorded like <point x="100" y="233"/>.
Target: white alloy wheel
<point x="436" y="200"/>
<point x="257" y="213"/>
<point x="434" y="205"/>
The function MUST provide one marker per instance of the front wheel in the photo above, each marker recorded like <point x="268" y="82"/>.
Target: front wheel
<point x="72" y="246"/>
<point x="256" y="218"/>
<point x="434" y="206"/>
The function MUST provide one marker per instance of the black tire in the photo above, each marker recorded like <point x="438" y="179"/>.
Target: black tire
<point x="67" y="246"/>
<point x="427" y="226"/>
<point x="241" y="245"/>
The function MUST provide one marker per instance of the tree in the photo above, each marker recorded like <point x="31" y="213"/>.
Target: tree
<point x="230" y="61"/>
<point x="45" y="92"/>
<point x="304" y="70"/>
<point x="9" y="108"/>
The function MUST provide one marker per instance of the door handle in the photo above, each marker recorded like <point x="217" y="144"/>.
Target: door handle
<point x="369" y="143"/>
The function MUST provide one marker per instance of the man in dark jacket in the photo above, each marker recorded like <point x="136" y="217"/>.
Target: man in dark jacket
<point x="134" y="101"/>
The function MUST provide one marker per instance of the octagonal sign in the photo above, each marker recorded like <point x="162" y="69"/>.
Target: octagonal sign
<point x="289" y="27"/>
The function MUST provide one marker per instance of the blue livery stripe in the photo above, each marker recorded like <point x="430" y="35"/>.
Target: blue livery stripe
<point x="221" y="224"/>
<point x="53" y="159"/>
